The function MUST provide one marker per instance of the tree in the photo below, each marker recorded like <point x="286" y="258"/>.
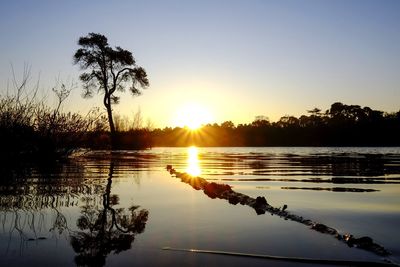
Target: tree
<point x="261" y="121"/>
<point x="109" y="71"/>
<point x="315" y="111"/>
<point x="228" y="125"/>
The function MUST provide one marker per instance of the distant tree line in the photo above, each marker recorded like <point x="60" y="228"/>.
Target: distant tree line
<point x="31" y="130"/>
<point x="341" y="125"/>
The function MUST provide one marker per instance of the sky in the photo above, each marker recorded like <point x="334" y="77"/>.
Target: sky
<point x="236" y="59"/>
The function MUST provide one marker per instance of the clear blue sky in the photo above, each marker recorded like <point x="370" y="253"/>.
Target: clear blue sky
<point x="239" y="59"/>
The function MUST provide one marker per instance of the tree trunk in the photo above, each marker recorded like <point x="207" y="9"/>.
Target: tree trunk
<point x="112" y="127"/>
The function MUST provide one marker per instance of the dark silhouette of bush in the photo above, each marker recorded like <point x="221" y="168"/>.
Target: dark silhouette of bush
<point x="31" y="130"/>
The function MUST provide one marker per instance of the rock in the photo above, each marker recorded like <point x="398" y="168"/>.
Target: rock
<point x="320" y="227"/>
<point x="364" y="241"/>
<point x="261" y="201"/>
<point x="260" y="205"/>
<point x="244" y="200"/>
<point x="233" y="200"/>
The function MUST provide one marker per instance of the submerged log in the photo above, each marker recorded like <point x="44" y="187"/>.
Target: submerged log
<point x="261" y="206"/>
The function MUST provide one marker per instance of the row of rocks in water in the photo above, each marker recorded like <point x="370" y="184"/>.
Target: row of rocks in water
<point x="261" y="206"/>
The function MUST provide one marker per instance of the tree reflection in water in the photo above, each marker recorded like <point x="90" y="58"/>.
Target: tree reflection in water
<point x="105" y="229"/>
<point x="33" y="202"/>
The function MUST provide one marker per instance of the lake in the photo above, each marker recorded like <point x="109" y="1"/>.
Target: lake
<point x="122" y="208"/>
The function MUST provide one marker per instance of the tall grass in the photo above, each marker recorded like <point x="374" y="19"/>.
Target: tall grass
<point x="30" y="129"/>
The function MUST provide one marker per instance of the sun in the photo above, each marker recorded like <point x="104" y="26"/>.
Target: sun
<point x="193" y="116"/>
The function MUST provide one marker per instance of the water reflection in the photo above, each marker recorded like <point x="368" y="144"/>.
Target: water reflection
<point x="105" y="229"/>
<point x="82" y="210"/>
<point x="335" y="168"/>
<point x="32" y="202"/>
<point x="193" y="164"/>
<point x="36" y="206"/>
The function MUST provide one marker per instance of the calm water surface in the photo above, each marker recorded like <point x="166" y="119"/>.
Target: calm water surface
<point x="122" y="208"/>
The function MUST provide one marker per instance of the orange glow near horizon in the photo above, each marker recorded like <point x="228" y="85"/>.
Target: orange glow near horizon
<point x="193" y="164"/>
<point x="193" y="116"/>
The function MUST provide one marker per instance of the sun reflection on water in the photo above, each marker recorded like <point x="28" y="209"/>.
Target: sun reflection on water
<point x="193" y="164"/>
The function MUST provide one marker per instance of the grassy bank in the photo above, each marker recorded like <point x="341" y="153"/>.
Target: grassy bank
<point x="32" y="130"/>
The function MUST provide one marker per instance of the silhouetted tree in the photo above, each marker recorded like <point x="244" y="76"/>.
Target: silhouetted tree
<point x="288" y="121"/>
<point x="228" y="125"/>
<point x="110" y="70"/>
<point x="261" y="121"/>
